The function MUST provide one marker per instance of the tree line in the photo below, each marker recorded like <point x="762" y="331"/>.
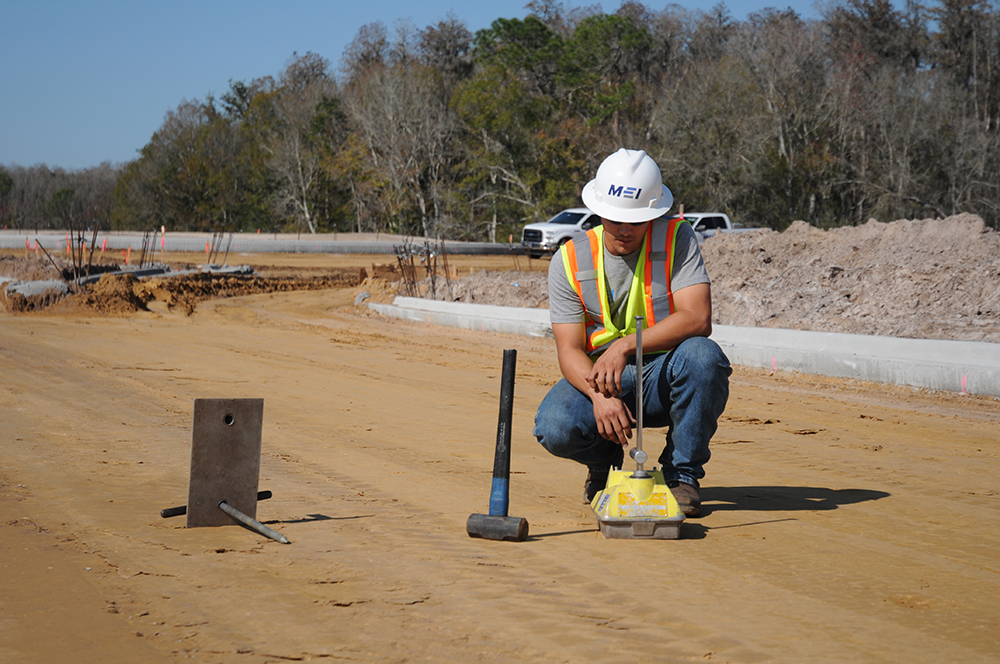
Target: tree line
<point x="870" y="111"/>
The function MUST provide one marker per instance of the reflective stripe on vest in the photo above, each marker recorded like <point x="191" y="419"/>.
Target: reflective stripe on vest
<point x="650" y="293"/>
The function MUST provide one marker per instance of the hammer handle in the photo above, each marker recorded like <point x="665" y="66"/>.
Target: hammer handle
<point x="499" y="497"/>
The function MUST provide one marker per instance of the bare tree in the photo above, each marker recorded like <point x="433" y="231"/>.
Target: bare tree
<point x="295" y="157"/>
<point x="406" y="129"/>
<point x="785" y="58"/>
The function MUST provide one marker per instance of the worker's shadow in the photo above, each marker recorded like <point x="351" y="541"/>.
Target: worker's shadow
<point x="318" y="517"/>
<point x="781" y="498"/>
<point x="771" y="499"/>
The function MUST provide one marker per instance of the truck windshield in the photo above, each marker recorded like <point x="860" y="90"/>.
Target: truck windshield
<point x="566" y="218"/>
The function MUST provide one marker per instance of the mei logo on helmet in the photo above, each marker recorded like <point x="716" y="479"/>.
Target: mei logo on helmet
<point x="624" y="192"/>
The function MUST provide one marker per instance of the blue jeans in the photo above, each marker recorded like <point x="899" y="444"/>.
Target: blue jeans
<point x="685" y="389"/>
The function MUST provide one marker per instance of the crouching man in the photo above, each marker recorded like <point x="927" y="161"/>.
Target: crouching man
<point x="636" y="263"/>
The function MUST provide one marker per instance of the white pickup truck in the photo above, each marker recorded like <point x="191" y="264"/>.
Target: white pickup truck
<point x="546" y="237"/>
<point x="707" y="224"/>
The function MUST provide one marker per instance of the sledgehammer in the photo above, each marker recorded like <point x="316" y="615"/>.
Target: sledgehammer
<point x="497" y="525"/>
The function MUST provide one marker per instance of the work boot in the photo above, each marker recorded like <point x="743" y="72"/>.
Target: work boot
<point x="687" y="496"/>
<point x="595" y="483"/>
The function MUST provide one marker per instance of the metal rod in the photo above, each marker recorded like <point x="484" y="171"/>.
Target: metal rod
<point x="637" y="453"/>
<point x="54" y="266"/>
<point x="252" y="523"/>
<point x="225" y="257"/>
<point x="183" y="509"/>
<point x="638" y="378"/>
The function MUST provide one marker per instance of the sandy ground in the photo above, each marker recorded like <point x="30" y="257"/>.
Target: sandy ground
<point x="844" y="521"/>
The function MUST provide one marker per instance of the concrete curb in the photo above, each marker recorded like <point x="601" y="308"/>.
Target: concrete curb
<point x="953" y="366"/>
<point x="483" y="317"/>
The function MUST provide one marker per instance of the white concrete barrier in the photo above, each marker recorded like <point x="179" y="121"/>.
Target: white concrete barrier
<point x="484" y="317"/>
<point x="955" y="366"/>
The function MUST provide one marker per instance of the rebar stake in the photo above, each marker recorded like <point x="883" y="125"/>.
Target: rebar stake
<point x="252" y="523"/>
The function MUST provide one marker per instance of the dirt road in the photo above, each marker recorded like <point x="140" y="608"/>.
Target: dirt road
<point x="845" y="521"/>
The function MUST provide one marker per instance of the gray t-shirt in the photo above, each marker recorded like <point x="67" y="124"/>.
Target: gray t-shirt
<point x="565" y="305"/>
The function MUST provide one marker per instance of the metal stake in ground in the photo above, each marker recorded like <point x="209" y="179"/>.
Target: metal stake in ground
<point x="497" y="525"/>
<point x="181" y="510"/>
<point x="225" y="466"/>
<point x="253" y="523"/>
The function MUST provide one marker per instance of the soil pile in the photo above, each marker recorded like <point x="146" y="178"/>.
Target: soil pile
<point x="113" y="294"/>
<point x="926" y="279"/>
<point x="19" y="304"/>
<point x="24" y="269"/>
<point x="504" y="289"/>
<point x="117" y="294"/>
<point x="185" y="292"/>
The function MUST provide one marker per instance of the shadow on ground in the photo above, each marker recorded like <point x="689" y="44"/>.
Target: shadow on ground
<point x="781" y="498"/>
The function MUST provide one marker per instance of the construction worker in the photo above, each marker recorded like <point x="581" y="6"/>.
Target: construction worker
<point x="639" y="262"/>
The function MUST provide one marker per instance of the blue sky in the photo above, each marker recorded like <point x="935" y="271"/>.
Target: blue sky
<point x="87" y="82"/>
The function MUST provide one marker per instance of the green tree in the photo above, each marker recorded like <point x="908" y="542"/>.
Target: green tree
<point x="528" y="48"/>
<point x="601" y="68"/>
<point x="200" y="171"/>
<point x="520" y="165"/>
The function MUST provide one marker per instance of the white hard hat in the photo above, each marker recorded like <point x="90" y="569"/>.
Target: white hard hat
<point x="628" y="189"/>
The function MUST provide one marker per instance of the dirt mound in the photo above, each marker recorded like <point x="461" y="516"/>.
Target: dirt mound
<point x="929" y="279"/>
<point x="186" y="291"/>
<point x="28" y="269"/>
<point x="119" y="294"/>
<point x="375" y="289"/>
<point x="505" y="289"/>
<point x="113" y="294"/>
<point x="18" y="303"/>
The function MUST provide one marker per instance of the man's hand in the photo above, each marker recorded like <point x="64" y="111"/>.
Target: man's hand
<point x="606" y="375"/>
<point x="614" y="421"/>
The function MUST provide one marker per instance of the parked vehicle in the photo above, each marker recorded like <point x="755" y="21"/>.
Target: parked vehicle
<point x="707" y="224"/>
<point x="546" y="237"/>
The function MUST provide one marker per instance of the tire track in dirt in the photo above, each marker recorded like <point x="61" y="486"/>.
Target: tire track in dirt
<point x="377" y="458"/>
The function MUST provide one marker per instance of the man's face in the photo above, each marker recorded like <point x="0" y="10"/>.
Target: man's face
<point x="621" y="239"/>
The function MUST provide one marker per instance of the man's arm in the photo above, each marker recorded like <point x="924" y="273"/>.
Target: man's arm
<point x="614" y="422"/>
<point x="692" y="317"/>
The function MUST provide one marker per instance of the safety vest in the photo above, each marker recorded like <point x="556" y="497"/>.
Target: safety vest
<point x="649" y="295"/>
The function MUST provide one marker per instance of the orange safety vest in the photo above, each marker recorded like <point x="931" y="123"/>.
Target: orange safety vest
<point x="650" y="294"/>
